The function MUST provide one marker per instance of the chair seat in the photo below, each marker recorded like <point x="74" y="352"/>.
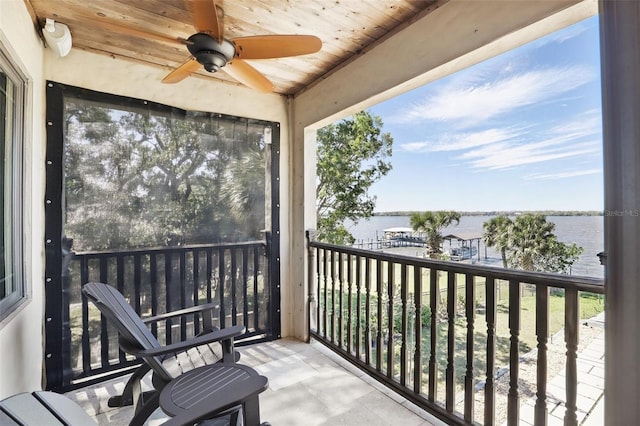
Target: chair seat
<point x="199" y="356"/>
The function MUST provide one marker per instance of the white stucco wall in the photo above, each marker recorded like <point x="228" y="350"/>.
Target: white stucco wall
<point x="21" y="340"/>
<point x="127" y="78"/>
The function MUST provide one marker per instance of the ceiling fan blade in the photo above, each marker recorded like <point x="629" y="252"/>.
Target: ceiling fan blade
<point x="206" y="19"/>
<point x="275" y="46"/>
<point x="116" y="28"/>
<point x="182" y="72"/>
<point x="248" y="75"/>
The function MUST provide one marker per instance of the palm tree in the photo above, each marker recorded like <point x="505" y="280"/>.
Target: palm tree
<point x="531" y="240"/>
<point x="243" y="191"/>
<point x="496" y="234"/>
<point x="431" y="223"/>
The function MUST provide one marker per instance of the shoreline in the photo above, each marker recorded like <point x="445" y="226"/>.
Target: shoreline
<point x="420" y="252"/>
<point x="504" y="212"/>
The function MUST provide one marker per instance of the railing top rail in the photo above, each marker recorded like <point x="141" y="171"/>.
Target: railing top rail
<point x="581" y="283"/>
<point x="218" y="246"/>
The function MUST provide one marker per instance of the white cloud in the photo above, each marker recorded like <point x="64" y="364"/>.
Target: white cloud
<point x="561" y="175"/>
<point x="507" y="156"/>
<point x="462" y="141"/>
<point x="500" y="149"/>
<point x="462" y="100"/>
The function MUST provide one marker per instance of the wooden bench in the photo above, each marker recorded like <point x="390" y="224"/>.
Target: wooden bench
<point x="42" y="408"/>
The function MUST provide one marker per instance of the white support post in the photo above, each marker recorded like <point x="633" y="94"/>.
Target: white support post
<point x="620" y="58"/>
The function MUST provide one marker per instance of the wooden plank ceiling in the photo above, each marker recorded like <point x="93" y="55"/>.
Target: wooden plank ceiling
<point x="347" y="28"/>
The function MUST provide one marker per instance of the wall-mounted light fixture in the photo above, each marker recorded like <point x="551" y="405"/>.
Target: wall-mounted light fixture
<point x="58" y="37"/>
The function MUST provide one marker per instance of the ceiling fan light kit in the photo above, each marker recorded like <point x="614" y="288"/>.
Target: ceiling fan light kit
<point x="212" y="54"/>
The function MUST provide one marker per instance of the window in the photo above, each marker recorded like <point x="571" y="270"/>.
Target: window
<point x="12" y="92"/>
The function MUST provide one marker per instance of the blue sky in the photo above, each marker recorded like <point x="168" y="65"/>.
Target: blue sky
<point x="521" y="131"/>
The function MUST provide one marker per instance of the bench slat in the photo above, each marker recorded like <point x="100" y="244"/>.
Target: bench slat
<point x="42" y="408"/>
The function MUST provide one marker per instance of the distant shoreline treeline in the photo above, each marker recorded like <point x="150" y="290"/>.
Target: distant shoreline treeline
<point x="507" y="213"/>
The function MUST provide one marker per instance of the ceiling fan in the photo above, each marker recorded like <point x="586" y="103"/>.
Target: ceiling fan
<point x="210" y="49"/>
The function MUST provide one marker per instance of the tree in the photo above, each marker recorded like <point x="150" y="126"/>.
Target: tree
<point x="246" y="199"/>
<point x="528" y="243"/>
<point x="144" y="179"/>
<point x="496" y="234"/>
<point x="351" y="156"/>
<point x="431" y="223"/>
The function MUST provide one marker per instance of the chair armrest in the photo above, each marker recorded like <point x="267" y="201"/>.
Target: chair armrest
<point x="233" y="395"/>
<point x="181" y="312"/>
<point x="227" y="333"/>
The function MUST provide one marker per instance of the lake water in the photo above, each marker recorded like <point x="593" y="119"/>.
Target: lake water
<point x="585" y="231"/>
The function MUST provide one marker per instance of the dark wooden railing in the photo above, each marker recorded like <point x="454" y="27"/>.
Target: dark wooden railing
<point x="234" y="276"/>
<point x="388" y="314"/>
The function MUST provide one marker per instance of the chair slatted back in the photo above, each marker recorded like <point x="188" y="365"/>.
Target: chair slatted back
<point x="124" y="318"/>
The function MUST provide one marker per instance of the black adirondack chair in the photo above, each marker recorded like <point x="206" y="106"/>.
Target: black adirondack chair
<point x="174" y="360"/>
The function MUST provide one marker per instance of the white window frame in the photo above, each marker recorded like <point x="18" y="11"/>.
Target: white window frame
<point x="13" y="194"/>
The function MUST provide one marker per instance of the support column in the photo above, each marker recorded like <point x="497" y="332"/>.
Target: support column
<point x="620" y="58"/>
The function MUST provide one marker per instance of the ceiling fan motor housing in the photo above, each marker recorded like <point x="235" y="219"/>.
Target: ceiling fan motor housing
<point x="212" y="54"/>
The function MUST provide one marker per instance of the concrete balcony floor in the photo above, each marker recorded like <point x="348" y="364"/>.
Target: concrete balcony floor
<point x="308" y="385"/>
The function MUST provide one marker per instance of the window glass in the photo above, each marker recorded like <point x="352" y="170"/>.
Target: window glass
<point x="11" y="103"/>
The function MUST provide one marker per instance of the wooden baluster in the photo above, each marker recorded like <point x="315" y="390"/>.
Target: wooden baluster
<point x="571" y="320"/>
<point x="137" y="282"/>
<point x="234" y="299"/>
<point x="349" y="304"/>
<point x="513" y="401"/>
<point x="542" y="332"/>
<point x="120" y="286"/>
<point x="367" y="312"/>
<point x="195" y="297"/>
<point x="451" y="341"/>
<point x="403" y="348"/>
<point x="417" y="355"/>
<point x="470" y="307"/>
<point x="390" y="331"/>
<point x="340" y="304"/>
<point x="86" y="347"/>
<point x="359" y="306"/>
<point x="489" y="388"/>
<point x="169" y="293"/>
<point x="182" y="260"/>
<point x="221" y="282"/>
<point x="256" y="304"/>
<point x="332" y="277"/>
<point x="245" y="287"/>
<point x="153" y="278"/>
<point x="209" y="275"/>
<point x="325" y="319"/>
<point x="379" y="339"/>
<point x="433" y="363"/>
